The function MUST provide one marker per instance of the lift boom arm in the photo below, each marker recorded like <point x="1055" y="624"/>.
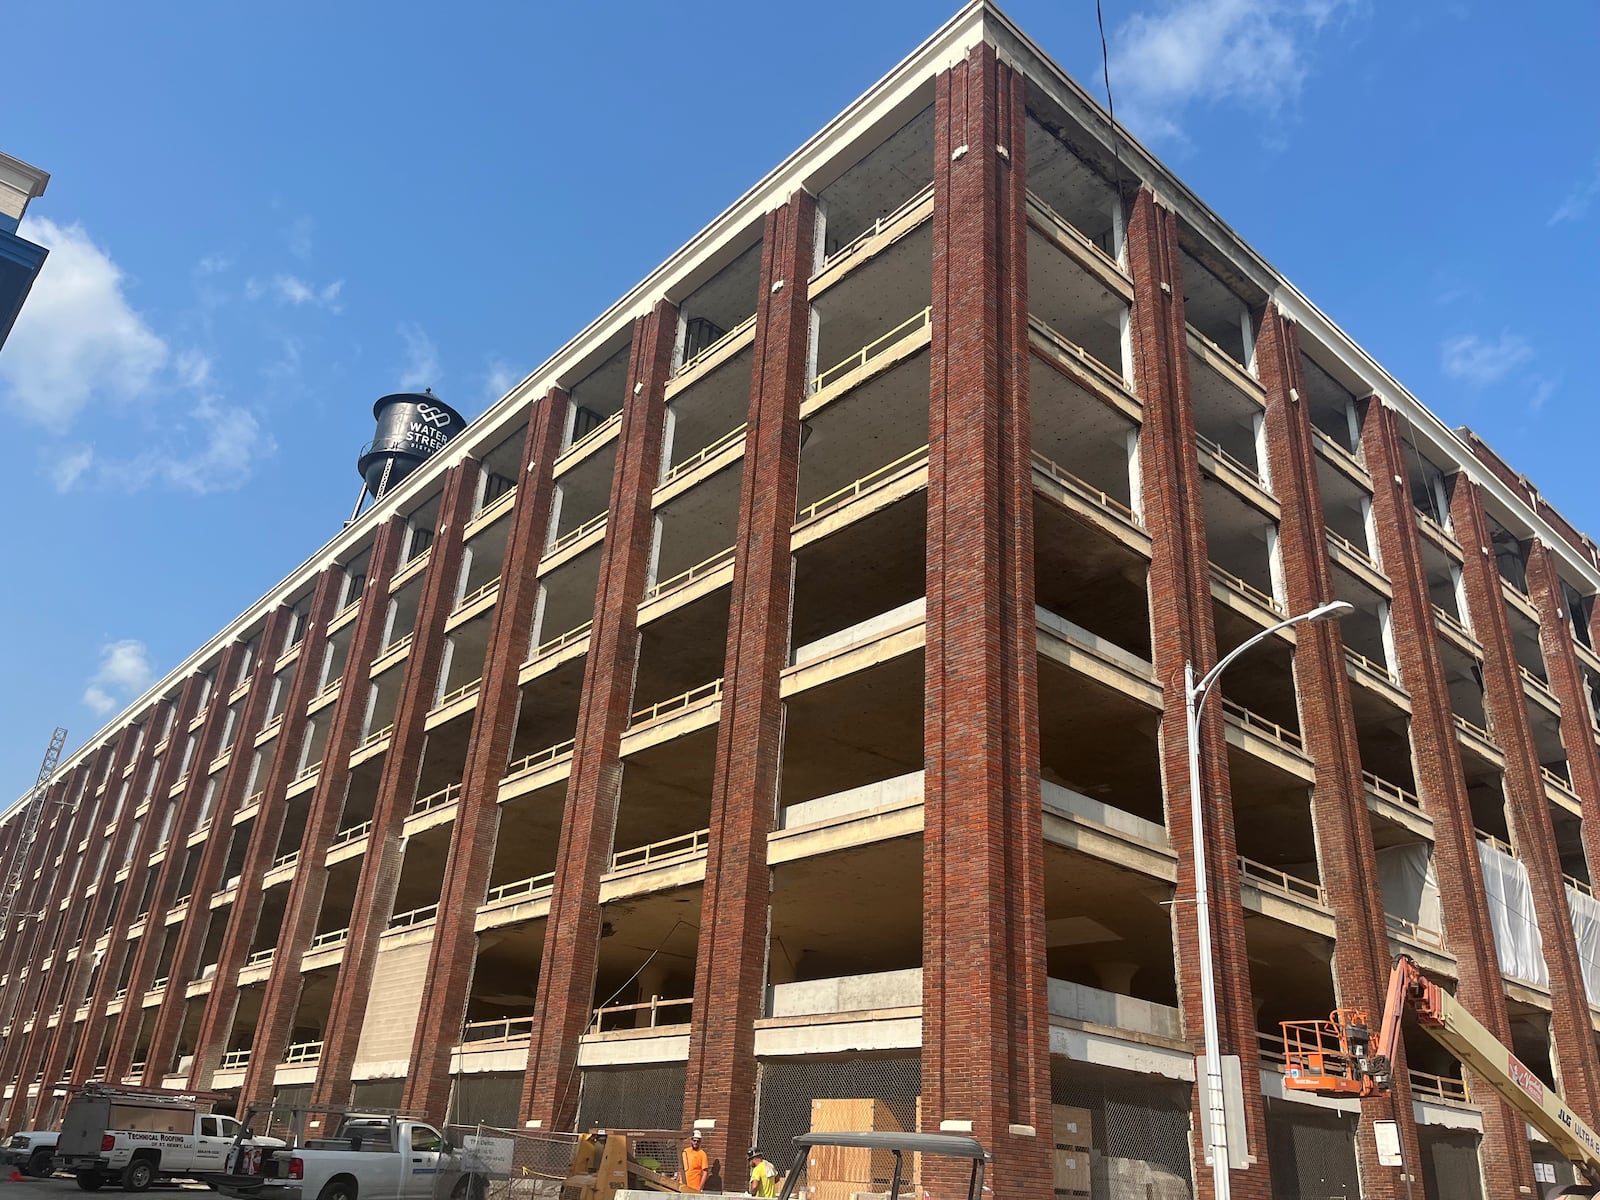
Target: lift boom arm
<point x="1459" y="1032"/>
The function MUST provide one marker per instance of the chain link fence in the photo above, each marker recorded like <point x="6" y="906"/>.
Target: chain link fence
<point x="632" y="1097"/>
<point x="491" y="1098"/>
<point x="511" y="1164"/>
<point x="1450" y="1163"/>
<point x="785" y="1089"/>
<point x="1139" y="1130"/>
<point x="1313" y="1152"/>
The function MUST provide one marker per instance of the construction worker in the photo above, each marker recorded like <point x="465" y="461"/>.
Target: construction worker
<point x="696" y="1165"/>
<point x="763" y="1178"/>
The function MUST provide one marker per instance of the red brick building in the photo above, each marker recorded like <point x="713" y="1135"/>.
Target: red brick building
<point x="778" y="695"/>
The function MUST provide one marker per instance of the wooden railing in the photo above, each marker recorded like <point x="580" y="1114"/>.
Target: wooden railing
<point x="700" y="456"/>
<point x="1417" y="933"/>
<point x="1467" y="726"/>
<point x="1579" y="885"/>
<point x="684" y="846"/>
<point x="1084" y="489"/>
<point x="477" y="594"/>
<point x="285" y="860"/>
<point x="1217" y="452"/>
<point x="706" y="691"/>
<point x="1359" y="553"/>
<point x="1494" y="843"/>
<point x="506" y="1029"/>
<point x="1259" y="723"/>
<point x="578" y="534"/>
<point x="1234" y="584"/>
<point x="593" y="435"/>
<point x="1440" y="1087"/>
<point x="655" y="1007"/>
<point x="1088" y="361"/>
<point x="1281" y="881"/>
<point x="565" y="639"/>
<point x="1450" y="622"/>
<point x="325" y="941"/>
<point x="1429" y="523"/>
<point x="877" y="227"/>
<point x="503" y="501"/>
<point x="1344" y="452"/>
<point x="706" y="352"/>
<point x="345" y="836"/>
<point x="1539" y="685"/>
<point x="1372" y="665"/>
<point x="704" y="567"/>
<point x="376" y="736"/>
<point x="864" y="355"/>
<point x="433" y="800"/>
<point x="540" y="757"/>
<point x="1392" y="791"/>
<point x="261" y="957"/>
<point x="235" y="1060"/>
<point x="851" y="490"/>
<point x="460" y="693"/>
<point x="414" y="916"/>
<point x="520" y="888"/>
<point x="307" y="772"/>
<point x="303" y="1052"/>
<point x="1556" y="781"/>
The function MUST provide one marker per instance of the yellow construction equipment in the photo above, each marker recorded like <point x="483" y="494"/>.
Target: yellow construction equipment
<point x="605" y="1162"/>
<point x="1340" y="1057"/>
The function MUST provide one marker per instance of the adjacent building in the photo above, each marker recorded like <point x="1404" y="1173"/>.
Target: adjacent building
<point x="778" y="696"/>
<point x="20" y="259"/>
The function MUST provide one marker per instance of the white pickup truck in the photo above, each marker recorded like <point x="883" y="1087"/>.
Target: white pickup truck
<point x="31" y="1151"/>
<point x="369" y="1158"/>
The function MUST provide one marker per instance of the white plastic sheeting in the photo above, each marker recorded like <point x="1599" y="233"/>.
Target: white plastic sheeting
<point x="1516" y="932"/>
<point x="1410" y="889"/>
<point x="1586" y="929"/>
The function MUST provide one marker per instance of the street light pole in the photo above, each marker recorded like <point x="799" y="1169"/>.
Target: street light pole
<point x="1194" y="694"/>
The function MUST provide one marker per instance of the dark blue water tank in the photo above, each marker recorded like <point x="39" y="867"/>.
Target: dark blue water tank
<point x="412" y="428"/>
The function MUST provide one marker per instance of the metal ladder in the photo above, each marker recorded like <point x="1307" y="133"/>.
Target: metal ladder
<point x="30" y="830"/>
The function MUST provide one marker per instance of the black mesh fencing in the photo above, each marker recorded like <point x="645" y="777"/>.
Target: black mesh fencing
<point x="377" y="1093"/>
<point x="492" y="1098"/>
<point x="1313" y="1152"/>
<point x="1450" y="1163"/>
<point x="1139" y="1130"/>
<point x="785" y="1089"/>
<point x="632" y="1097"/>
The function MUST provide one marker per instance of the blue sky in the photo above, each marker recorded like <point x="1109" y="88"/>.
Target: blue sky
<point x="264" y="217"/>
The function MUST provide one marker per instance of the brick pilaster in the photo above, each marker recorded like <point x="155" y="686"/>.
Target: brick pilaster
<point x="90" y="911"/>
<point x="452" y="955"/>
<point x="275" y="1025"/>
<point x="1442" y="787"/>
<point x="1527" y="804"/>
<point x="397" y="788"/>
<point x="245" y="912"/>
<point x="985" y="1017"/>
<point x="96" y="1029"/>
<point x="1567" y="682"/>
<point x="125" y="1034"/>
<point x="731" y="977"/>
<point x="1182" y="630"/>
<point x="213" y="857"/>
<point x="572" y="932"/>
<point x="1346" y="856"/>
<point x="34" y="913"/>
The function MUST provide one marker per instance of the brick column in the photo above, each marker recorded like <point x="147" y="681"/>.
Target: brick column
<point x="275" y="1025"/>
<point x="1182" y="630"/>
<point x="731" y="976"/>
<point x="453" y="953"/>
<point x="1442" y="787"/>
<point x="572" y="931"/>
<point x="1528" y="804"/>
<point x="124" y="1038"/>
<point x="245" y="912"/>
<point x="35" y="994"/>
<point x="34" y="913"/>
<point x="214" y="855"/>
<point x="397" y="788"/>
<point x="1566" y="681"/>
<point x="985" y="1019"/>
<point x="91" y="912"/>
<point x="96" y="1029"/>
<point x="1346" y="857"/>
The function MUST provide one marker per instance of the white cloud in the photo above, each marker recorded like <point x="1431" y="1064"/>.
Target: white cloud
<point x="68" y="469"/>
<point x="499" y="379"/>
<point x="123" y="673"/>
<point x="212" y="448"/>
<point x="78" y="339"/>
<point x="1478" y="362"/>
<point x="421" y="366"/>
<point x="1543" y="389"/>
<point x="1255" y="52"/>
<point x="213" y="264"/>
<point x="293" y="290"/>
<point x="1576" y="204"/>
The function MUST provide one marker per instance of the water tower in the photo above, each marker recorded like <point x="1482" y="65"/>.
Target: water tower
<point x="411" y="428"/>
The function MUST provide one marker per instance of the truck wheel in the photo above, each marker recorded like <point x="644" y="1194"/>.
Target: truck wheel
<point x="138" y="1175"/>
<point x="90" y="1181"/>
<point x="342" y="1188"/>
<point x="39" y="1164"/>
